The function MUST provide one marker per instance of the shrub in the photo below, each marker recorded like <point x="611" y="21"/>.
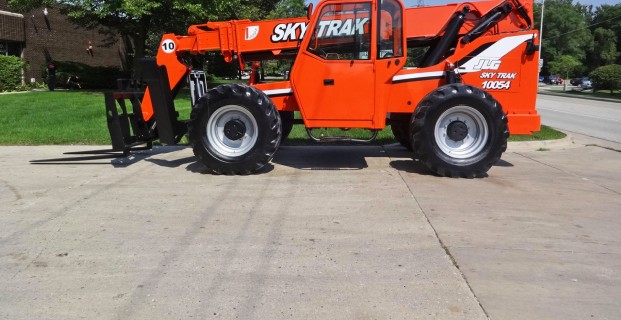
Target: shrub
<point x="90" y="77"/>
<point x="10" y="72"/>
<point x="606" y="78"/>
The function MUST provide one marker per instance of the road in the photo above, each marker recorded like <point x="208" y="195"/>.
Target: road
<point x="597" y="119"/>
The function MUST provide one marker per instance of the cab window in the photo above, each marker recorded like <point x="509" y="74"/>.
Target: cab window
<point x="390" y="30"/>
<point x="342" y="32"/>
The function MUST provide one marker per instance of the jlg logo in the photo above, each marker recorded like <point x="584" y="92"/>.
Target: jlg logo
<point x="325" y="29"/>
<point x="487" y="64"/>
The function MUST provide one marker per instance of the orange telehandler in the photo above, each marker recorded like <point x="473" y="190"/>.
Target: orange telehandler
<point x="470" y="80"/>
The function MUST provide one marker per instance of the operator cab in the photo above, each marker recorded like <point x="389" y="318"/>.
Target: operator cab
<point x="351" y="50"/>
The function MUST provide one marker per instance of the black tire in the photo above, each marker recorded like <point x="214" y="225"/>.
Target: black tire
<point x="234" y="129"/>
<point x="286" y="117"/>
<point x="459" y="131"/>
<point x="401" y="131"/>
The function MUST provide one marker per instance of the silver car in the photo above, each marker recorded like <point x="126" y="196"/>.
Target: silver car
<point x="585" y="84"/>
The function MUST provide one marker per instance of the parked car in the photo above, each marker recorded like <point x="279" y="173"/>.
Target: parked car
<point x="585" y="83"/>
<point x="575" y="81"/>
<point x="542" y="79"/>
<point x="555" y="80"/>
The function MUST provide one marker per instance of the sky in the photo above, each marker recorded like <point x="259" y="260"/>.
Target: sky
<point x="412" y="3"/>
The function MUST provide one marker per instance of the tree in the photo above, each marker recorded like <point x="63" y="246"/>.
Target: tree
<point x="564" y="65"/>
<point x="609" y="17"/>
<point x="606" y="46"/>
<point x="565" y="30"/>
<point x="288" y="9"/>
<point x="606" y="77"/>
<point x="27" y="5"/>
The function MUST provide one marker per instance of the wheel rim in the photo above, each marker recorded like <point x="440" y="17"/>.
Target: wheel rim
<point x="461" y="132"/>
<point x="220" y="141"/>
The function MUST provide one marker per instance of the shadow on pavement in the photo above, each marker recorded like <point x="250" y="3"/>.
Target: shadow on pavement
<point x="172" y="163"/>
<point x="325" y="157"/>
<point x="411" y="166"/>
<point x="197" y="167"/>
<point x="308" y="157"/>
<point x="116" y="159"/>
<point x="503" y="163"/>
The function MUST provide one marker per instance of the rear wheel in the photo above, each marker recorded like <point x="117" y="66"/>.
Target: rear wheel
<point x="459" y="131"/>
<point x="234" y="129"/>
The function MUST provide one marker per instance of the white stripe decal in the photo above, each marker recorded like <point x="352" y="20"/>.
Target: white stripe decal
<point x="418" y="76"/>
<point x="494" y="52"/>
<point x="276" y="92"/>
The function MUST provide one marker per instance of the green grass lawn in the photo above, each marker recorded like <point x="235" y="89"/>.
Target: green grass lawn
<point x="53" y="118"/>
<point x="59" y="117"/>
<point x="546" y="133"/>
<point x="78" y="117"/>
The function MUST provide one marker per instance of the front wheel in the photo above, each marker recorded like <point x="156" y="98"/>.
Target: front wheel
<point x="234" y="129"/>
<point x="459" y="131"/>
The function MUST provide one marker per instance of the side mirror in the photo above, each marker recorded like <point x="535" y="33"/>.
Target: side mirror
<point x="309" y="11"/>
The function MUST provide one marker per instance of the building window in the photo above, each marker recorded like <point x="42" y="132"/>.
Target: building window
<point x="10" y="48"/>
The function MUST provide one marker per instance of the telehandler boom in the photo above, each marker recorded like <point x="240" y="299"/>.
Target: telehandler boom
<point x="470" y="80"/>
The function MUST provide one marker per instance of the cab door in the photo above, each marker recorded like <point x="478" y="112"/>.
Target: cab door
<point x="334" y="77"/>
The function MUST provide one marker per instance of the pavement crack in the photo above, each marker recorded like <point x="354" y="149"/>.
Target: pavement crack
<point x="444" y="247"/>
<point x="536" y="250"/>
<point x="14" y="190"/>
<point x="29" y="264"/>
<point x="603" y="147"/>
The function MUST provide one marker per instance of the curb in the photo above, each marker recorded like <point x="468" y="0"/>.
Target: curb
<point x="565" y="143"/>
<point x="577" y="97"/>
<point x="34" y="90"/>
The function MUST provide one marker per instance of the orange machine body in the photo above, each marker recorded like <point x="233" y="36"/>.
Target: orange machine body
<point x="361" y="89"/>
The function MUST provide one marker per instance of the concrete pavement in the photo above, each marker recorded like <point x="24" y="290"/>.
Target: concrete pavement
<point x="322" y="233"/>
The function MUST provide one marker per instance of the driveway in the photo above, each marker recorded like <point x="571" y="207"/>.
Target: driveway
<point x="358" y="232"/>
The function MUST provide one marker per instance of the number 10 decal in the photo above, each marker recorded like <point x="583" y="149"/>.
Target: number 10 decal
<point x="168" y="46"/>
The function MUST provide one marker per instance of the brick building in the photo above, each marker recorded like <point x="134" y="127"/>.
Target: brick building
<point x="44" y="35"/>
